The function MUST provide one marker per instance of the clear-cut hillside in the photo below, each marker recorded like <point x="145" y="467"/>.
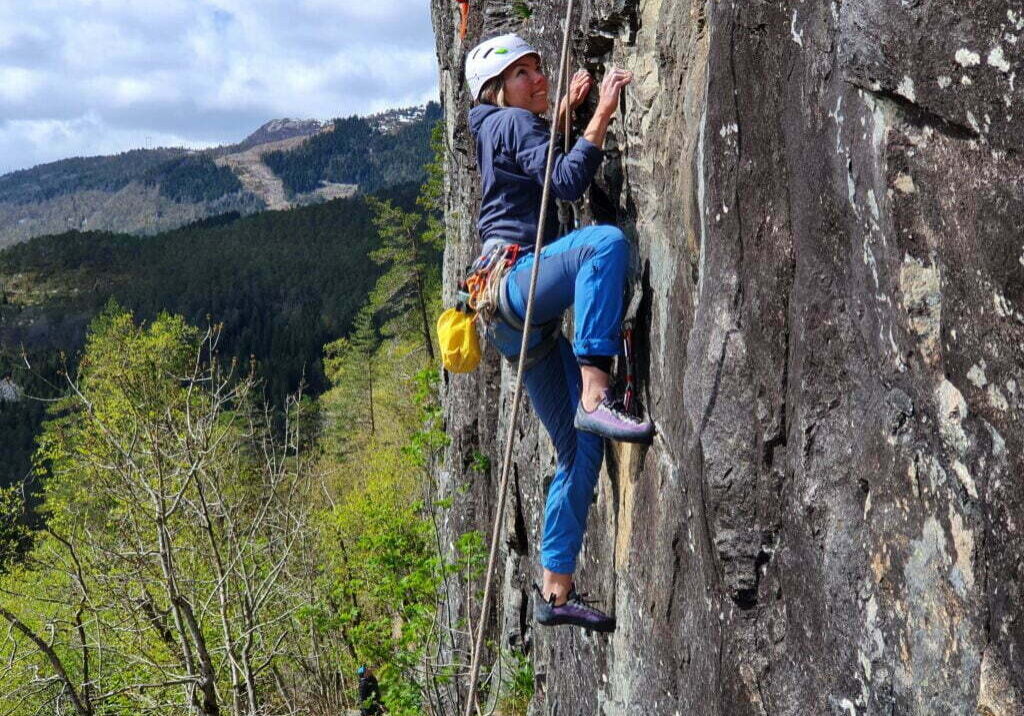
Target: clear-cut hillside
<point x="260" y="181"/>
<point x="826" y="201"/>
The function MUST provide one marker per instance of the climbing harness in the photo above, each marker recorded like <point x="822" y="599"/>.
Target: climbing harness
<point x="486" y="279"/>
<point x="517" y="395"/>
<point x="482" y="298"/>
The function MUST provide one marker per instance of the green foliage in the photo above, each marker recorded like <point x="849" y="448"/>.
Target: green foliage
<point x="36" y="375"/>
<point x="520" y="686"/>
<point x="480" y="463"/>
<point x="282" y="283"/>
<point x="194" y="178"/>
<point x="411" y="245"/>
<point x="427" y="441"/>
<point x="431" y="197"/>
<point x="472" y="554"/>
<point x="355" y="152"/>
<point x="387" y="571"/>
<point x="401" y="292"/>
<point x="14" y="533"/>
<point x="522" y="10"/>
<point x="351" y="365"/>
<point x="382" y="563"/>
<point x="392" y="577"/>
<point x="174" y="541"/>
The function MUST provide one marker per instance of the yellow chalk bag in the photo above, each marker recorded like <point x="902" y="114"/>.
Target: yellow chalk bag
<point x="460" y="344"/>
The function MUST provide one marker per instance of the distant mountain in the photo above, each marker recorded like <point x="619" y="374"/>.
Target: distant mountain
<point x="394" y="119"/>
<point x="277" y="129"/>
<point x="369" y="152"/>
<point x="284" y="163"/>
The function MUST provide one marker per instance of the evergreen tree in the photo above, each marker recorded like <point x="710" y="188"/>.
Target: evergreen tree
<point x="351" y="367"/>
<point x="410" y="245"/>
<point x="363" y="343"/>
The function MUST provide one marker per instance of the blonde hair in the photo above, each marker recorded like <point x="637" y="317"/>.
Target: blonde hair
<point x="493" y="92"/>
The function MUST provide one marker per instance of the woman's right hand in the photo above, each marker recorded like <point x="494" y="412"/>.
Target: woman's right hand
<point x="611" y="89"/>
<point x="607" y="104"/>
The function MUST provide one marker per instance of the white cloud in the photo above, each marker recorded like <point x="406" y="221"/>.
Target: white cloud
<point x="18" y="84"/>
<point x="46" y="140"/>
<point x="101" y="72"/>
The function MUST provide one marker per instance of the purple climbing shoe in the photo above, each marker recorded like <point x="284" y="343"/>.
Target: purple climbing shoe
<point x="610" y="420"/>
<point x="576" y="611"/>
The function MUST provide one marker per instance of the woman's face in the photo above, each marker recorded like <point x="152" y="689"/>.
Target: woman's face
<point x="525" y="85"/>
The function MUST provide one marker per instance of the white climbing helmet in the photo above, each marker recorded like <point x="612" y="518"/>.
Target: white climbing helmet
<point x="490" y="58"/>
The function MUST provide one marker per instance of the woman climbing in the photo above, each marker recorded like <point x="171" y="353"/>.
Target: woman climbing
<point x="568" y="384"/>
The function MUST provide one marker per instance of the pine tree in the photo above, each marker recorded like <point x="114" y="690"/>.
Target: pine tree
<point x="350" y="366"/>
<point x="410" y="244"/>
<point x="363" y="342"/>
<point x="403" y="289"/>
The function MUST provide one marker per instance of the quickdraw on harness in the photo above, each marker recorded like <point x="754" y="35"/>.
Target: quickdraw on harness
<point x="484" y="282"/>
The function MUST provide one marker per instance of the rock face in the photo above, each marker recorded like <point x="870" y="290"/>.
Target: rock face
<point x="826" y="201"/>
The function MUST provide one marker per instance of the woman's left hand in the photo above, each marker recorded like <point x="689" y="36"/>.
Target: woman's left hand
<point x="579" y="88"/>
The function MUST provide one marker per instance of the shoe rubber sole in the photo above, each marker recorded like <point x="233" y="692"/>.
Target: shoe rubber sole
<point x="645" y="439"/>
<point x="568" y="621"/>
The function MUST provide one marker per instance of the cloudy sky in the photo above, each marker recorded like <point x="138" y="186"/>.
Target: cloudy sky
<point x="85" y="77"/>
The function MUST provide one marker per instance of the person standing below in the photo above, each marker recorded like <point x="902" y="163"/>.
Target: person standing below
<point x="586" y="269"/>
<point x="369" y="693"/>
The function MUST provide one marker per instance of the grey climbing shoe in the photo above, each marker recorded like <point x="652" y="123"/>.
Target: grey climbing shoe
<point x="576" y="612"/>
<point x="611" y="420"/>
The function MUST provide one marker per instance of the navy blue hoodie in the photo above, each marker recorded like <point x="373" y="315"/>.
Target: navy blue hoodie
<point x="511" y="147"/>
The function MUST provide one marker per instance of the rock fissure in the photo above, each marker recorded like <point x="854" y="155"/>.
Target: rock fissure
<point x="919" y="116"/>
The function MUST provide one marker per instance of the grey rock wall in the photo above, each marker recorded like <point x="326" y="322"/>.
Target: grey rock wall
<point x="827" y="201"/>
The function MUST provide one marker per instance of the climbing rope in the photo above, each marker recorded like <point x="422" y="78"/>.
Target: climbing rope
<point x="474" y="671"/>
<point x="566" y="209"/>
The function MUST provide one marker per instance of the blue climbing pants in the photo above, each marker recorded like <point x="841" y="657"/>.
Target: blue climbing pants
<point x="585" y="269"/>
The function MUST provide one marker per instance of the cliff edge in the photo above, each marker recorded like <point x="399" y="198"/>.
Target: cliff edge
<point x="826" y="201"/>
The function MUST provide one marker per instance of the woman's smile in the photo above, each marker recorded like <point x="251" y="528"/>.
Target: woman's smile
<point x="525" y="85"/>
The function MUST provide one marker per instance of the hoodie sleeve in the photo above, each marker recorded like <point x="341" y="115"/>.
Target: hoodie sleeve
<point x="571" y="173"/>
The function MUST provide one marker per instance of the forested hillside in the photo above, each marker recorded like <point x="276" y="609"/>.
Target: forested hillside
<point x="194" y="178"/>
<point x="227" y="557"/>
<point x="358" y="151"/>
<point x="282" y="284"/>
<point x="69" y="176"/>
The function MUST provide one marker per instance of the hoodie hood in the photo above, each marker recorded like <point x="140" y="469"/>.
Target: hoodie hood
<point x="478" y="114"/>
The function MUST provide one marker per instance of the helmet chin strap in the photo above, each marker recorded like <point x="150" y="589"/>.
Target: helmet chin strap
<point x="506" y="464"/>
